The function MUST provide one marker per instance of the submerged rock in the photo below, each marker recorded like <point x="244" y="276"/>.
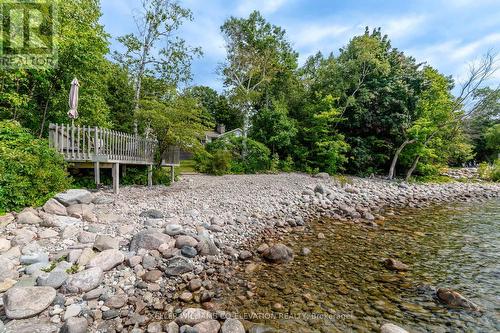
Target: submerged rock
<point x="193" y="316"/>
<point x="278" y="253"/>
<point x="454" y="299"/>
<point x="395" y="265"/>
<point x="232" y="326"/>
<point x="391" y="328"/>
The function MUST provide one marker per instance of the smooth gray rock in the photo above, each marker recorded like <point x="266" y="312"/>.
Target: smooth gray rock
<point x="53" y="206"/>
<point x="189" y="251"/>
<point x="34" y="258"/>
<point x="106" y="242"/>
<point x="61" y="222"/>
<point x="172" y="327"/>
<point x="72" y="311"/>
<point x="177" y="266"/>
<point x="103" y="200"/>
<point x="193" y="316"/>
<point x="54" y="279"/>
<point x="28" y="217"/>
<point x="173" y="229"/>
<point x="107" y="259"/>
<point x="232" y="326"/>
<point x="208" y="326"/>
<point x="149" y="240"/>
<point x="152" y="214"/>
<point x="206" y="245"/>
<point x="27" y="325"/>
<point x="74" y="196"/>
<point x="27" y="302"/>
<point x="185" y="240"/>
<point x="259" y="328"/>
<point x="75" y="325"/>
<point x="278" y="253"/>
<point x="391" y="328"/>
<point x="85" y="280"/>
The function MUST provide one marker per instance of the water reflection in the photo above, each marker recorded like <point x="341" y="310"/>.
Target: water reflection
<point x="342" y="284"/>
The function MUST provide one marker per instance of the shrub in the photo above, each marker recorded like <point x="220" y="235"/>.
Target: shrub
<point x="30" y="171"/>
<point x="490" y="172"/>
<point x="226" y="155"/>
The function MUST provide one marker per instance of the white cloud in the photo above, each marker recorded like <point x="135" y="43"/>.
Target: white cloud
<point x="403" y="26"/>
<point x="312" y="34"/>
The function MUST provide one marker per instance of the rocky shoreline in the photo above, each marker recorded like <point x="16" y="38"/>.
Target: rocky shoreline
<point x="153" y="260"/>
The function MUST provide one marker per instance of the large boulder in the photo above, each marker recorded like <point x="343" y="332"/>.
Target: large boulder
<point x="25" y="302"/>
<point x="149" y="240"/>
<point x="82" y="211"/>
<point x="454" y="299"/>
<point x="53" y="206"/>
<point x="85" y="280"/>
<point x="107" y="259"/>
<point x="74" y="196"/>
<point x="56" y="221"/>
<point x="28" y="216"/>
<point x="193" y="316"/>
<point x="278" y="253"/>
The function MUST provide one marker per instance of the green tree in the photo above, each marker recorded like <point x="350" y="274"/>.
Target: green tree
<point x="176" y="122"/>
<point x="36" y="97"/>
<point x="274" y="128"/>
<point x="156" y="49"/>
<point x="258" y="54"/>
<point x="216" y="106"/>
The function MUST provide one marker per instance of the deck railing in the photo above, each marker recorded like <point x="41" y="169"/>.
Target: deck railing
<point x="94" y="144"/>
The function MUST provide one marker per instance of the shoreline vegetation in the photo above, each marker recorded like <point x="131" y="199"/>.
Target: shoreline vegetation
<point x="94" y="261"/>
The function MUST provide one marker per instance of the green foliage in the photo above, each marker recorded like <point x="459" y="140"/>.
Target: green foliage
<point x="274" y="128"/>
<point x="216" y="108"/>
<point x="174" y="122"/>
<point x="226" y="155"/>
<point x="492" y="138"/>
<point x="490" y="172"/>
<point x="36" y="97"/>
<point x="30" y="172"/>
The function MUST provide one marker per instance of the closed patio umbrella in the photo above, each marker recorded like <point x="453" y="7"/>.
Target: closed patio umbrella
<point x="73" y="100"/>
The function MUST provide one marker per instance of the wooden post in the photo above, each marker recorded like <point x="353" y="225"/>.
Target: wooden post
<point x="97" y="174"/>
<point x="150" y="175"/>
<point x="124" y="170"/>
<point x="116" y="177"/>
<point x="172" y="174"/>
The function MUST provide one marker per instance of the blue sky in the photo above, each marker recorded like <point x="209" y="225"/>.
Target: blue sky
<point x="447" y="34"/>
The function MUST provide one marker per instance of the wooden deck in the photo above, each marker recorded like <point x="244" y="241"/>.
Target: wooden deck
<point x="96" y="147"/>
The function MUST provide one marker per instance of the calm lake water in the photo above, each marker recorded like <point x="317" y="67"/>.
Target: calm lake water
<point x="342" y="285"/>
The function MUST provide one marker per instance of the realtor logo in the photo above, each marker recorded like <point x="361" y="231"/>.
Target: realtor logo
<point x="27" y="30"/>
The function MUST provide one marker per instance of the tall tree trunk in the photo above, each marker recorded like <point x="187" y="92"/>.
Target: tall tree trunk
<point x="413" y="166"/>
<point x="396" y="156"/>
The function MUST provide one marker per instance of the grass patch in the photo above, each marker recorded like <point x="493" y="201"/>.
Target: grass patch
<point x="186" y="166"/>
